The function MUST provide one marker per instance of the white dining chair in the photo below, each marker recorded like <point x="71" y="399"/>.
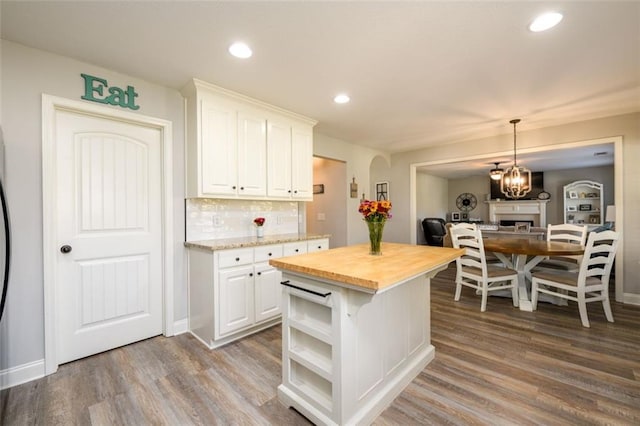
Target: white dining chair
<point x="564" y="233"/>
<point x="472" y="269"/>
<point x="589" y="284"/>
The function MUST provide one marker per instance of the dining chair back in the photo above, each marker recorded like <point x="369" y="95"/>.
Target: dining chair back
<point x="565" y="233"/>
<point x="589" y="284"/>
<point x="472" y="269"/>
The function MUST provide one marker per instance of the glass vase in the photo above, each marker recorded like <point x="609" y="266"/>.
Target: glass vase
<point x="375" y="236"/>
<point x="259" y="231"/>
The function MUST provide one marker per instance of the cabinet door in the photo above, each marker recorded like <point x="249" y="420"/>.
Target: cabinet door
<point x="252" y="155"/>
<point x="236" y="299"/>
<point x="218" y="146"/>
<point x="268" y="292"/>
<point x="279" y="160"/>
<point x="302" y="163"/>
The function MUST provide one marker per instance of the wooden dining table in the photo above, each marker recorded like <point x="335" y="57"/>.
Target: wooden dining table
<point x="524" y="254"/>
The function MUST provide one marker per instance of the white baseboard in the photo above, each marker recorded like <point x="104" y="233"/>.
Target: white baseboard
<point x="24" y="373"/>
<point x="632" y="299"/>
<point x="181" y="326"/>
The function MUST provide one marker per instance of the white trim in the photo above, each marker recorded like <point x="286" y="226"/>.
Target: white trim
<point x="630" y="298"/>
<point x="49" y="106"/>
<point x="20" y="374"/>
<point x="181" y="326"/>
<point x="618" y="189"/>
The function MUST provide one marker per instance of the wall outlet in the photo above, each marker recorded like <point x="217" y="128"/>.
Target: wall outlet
<point x="321" y="217"/>
<point x="217" y="221"/>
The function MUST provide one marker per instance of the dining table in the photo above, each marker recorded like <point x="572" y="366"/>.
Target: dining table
<point x="523" y="254"/>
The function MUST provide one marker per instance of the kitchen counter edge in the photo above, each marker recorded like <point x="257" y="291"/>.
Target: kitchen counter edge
<point x="232" y="243"/>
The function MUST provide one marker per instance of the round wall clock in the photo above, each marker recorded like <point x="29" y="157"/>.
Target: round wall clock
<point x="544" y="195"/>
<point x="466" y="201"/>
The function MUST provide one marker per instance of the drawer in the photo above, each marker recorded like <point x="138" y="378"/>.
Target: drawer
<point x="317" y="245"/>
<point x="291" y="249"/>
<point x="264" y="253"/>
<point x="227" y="258"/>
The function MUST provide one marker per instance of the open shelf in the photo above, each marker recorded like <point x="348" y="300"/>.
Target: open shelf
<point x="312" y="353"/>
<point x="313" y="386"/>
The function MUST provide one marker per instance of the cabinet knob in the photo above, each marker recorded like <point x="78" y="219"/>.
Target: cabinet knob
<point x="259" y="273"/>
<point x="237" y="259"/>
<point x="270" y="254"/>
<point x="295" y="192"/>
<point x="319" y="247"/>
<point x="297" y="250"/>
<point x="250" y="274"/>
<point x="242" y="188"/>
<point x="66" y="249"/>
<point x="233" y="187"/>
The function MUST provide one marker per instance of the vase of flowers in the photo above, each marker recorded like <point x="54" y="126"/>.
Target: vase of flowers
<point x="375" y="213"/>
<point x="259" y="222"/>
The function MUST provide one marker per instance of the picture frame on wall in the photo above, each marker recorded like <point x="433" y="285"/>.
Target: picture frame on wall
<point x="456" y="216"/>
<point x="382" y="191"/>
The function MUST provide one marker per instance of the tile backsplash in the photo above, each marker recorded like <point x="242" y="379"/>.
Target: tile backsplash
<point x="210" y="219"/>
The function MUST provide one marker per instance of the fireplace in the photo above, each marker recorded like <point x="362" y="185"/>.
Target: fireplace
<point x="530" y="211"/>
<point x="508" y="222"/>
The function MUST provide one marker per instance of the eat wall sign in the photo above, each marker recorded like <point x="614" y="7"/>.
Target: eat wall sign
<point x="98" y="90"/>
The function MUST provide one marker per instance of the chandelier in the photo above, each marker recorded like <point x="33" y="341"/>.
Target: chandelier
<point x="515" y="181"/>
<point x="496" y="173"/>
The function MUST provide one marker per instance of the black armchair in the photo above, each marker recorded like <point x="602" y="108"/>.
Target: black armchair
<point x="434" y="231"/>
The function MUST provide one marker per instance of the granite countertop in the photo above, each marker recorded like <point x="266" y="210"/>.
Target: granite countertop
<point x="353" y="265"/>
<point x="231" y="243"/>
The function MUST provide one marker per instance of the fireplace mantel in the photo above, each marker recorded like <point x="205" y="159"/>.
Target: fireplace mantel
<point x="535" y="210"/>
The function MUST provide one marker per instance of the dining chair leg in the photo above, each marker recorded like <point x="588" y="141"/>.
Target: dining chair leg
<point x="607" y="306"/>
<point x="485" y="293"/>
<point x="582" y="307"/>
<point x="458" y="291"/>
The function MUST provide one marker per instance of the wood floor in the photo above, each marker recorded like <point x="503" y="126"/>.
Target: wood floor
<point x="501" y="367"/>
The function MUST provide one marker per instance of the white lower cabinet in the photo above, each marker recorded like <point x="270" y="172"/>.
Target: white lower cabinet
<point x="233" y="293"/>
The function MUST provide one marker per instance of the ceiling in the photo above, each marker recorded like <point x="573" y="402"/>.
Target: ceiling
<point x="419" y="73"/>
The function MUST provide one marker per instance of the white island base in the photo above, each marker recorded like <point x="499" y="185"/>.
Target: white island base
<point x="348" y="353"/>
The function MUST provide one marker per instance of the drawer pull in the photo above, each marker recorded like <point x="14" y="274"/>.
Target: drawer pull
<point x="288" y="284"/>
<point x="297" y="250"/>
<point x="270" y="254"/>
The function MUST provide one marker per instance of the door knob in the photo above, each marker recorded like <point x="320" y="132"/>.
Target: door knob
<point x="66" y="249"/>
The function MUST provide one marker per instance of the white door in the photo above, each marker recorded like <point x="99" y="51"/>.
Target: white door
<point x="268" y="292"/>
<point x="108" y="226"/>
<point x="236" y="299"/>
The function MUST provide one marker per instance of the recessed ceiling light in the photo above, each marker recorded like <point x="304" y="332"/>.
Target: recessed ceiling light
<point x="341" y="99"/>
<point x="545" y="21"/>
<point x="240" y="50"/>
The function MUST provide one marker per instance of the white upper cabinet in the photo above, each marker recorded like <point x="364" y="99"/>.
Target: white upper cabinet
<point x="252" y="155"/>
<point x="301" y="157"/>
<point x="279" y="159"/>
<point x="238" y="147"/>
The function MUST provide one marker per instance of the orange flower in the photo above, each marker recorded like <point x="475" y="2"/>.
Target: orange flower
<point x="375" y="211"/>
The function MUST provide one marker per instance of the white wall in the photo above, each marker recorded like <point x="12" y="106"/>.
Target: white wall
<point x="627" y="126"/>
<point x="358" y="160"/>
<point x="27" y="74"/>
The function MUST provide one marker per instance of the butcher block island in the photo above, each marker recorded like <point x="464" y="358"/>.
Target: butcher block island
<point x="356" y="328"/>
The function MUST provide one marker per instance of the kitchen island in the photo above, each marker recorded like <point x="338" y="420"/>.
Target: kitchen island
<point x="356" y="328"/>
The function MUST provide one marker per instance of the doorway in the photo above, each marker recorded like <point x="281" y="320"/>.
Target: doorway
<point x="327" y="213"/>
